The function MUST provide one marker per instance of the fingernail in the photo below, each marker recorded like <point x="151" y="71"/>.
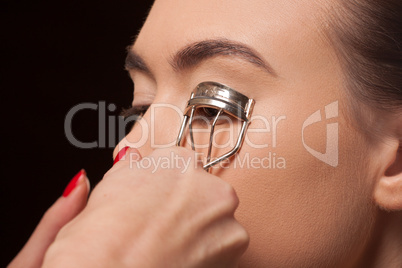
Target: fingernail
<point x="74" y="182"/>
<point x="121" y="154"/>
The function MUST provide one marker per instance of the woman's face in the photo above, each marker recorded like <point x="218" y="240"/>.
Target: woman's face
<point x="301" y="208"/>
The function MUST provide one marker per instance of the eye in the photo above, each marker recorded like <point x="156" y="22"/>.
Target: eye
<point x="209" y="112"/>
<point x="132" y="115"/>
<point x="135" y="111"/>
<point x="206" y="115"/>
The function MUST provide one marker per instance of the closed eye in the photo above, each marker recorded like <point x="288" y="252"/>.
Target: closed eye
<point x="132" y="115"/>
<point x="137" y="111"/>
<point x="206" y="115"/>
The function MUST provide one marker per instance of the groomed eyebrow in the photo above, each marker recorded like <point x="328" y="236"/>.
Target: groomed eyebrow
<point x="193" y="54"/>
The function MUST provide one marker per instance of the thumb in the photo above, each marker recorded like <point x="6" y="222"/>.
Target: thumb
<point x="69" y="205"/>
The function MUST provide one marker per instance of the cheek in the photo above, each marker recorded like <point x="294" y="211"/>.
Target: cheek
<point x="298" y="209"/>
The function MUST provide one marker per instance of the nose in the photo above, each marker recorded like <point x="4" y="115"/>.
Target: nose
<point x="158" y="128"/>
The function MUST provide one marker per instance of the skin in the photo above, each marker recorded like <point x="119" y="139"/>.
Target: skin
<point x="306" y="214"/>
<point x="139" y="218"/>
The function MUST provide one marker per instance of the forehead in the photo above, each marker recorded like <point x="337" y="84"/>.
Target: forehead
<point x="244" y="20"/>
<point x="277" y="29"/>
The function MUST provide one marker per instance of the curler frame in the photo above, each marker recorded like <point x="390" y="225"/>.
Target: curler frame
<point x="225" y="100"/>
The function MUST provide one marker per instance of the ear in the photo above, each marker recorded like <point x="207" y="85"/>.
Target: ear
<point x="388" y="189"/>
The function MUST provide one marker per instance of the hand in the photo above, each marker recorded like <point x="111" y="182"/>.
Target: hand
<point x="174" y="216"/>
<point x="62" y="211"/>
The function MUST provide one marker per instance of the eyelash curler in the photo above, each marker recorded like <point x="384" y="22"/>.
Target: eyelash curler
<point x="212" y="96"/>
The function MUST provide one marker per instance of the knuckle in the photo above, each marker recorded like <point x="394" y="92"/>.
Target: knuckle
<point x="233" y="242"/>
<point x="231" y="196"/>
<point x="175" y="159"/>
<point x="224" y="198"/>
<point x="241" y="238"/>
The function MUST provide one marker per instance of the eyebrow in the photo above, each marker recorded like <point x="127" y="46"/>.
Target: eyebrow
<point x="135" y="62"/>
<point x="193" y="54"/>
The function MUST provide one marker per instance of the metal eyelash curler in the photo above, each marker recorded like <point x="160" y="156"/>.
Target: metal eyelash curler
<point x="223" y="99"/>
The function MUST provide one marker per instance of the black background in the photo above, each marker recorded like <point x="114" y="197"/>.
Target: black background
<point x="56" y="55"/>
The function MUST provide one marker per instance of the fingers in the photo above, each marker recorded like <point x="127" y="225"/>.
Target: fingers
<point x="174" y="158"/>
<point x="120" y="154"/>
<point x="69" y="205"/>
<point x="128" y="153"/>
<point x="192" y="210"/>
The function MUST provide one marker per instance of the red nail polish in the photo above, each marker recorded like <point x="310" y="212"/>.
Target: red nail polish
<point x="73" y="183"/>
<point x="121" y="154"/>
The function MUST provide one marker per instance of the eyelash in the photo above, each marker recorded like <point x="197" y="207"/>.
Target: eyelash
<point x="209" y="113"/>
<point x="138" y="111"/>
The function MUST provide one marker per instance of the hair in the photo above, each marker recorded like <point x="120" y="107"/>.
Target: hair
<point x="367" y="36"/>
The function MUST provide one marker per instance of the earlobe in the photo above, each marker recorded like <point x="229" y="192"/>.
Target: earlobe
<point x="388" y="189"/>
